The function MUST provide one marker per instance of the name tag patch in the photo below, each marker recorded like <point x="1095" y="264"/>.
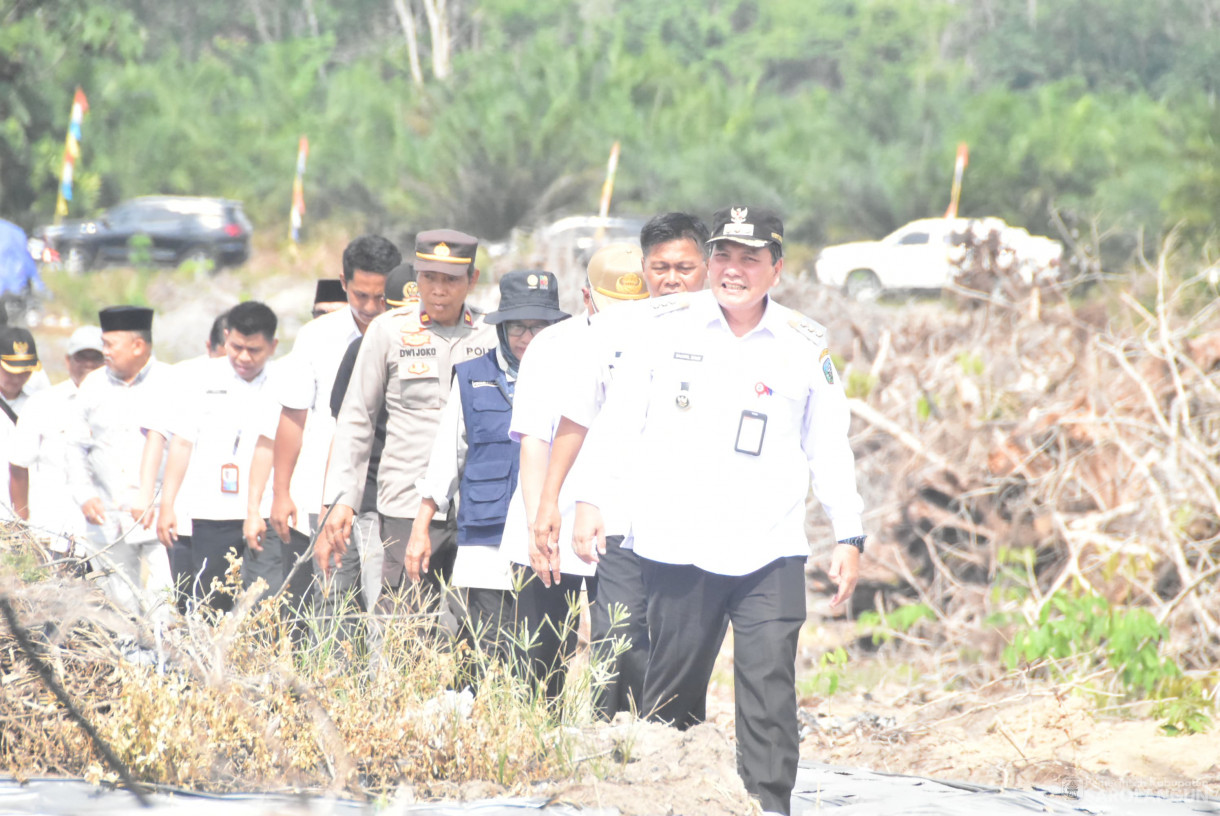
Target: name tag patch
<point x="688" y="356"/>
<point x="417" y="352"/>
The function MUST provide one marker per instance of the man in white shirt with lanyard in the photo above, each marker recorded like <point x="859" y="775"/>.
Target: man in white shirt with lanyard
<point x="37" y="465"/>
<point x="216" y="431"/>
<point x="734" y="403"/>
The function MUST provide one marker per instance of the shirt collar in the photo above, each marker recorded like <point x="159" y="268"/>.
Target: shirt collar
<point x="467" y="319"/>
<point x="772" y="318"/>
<point x="139" y="378"/>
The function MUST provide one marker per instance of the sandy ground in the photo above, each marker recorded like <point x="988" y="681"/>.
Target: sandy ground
<point x="1014" y="732"/>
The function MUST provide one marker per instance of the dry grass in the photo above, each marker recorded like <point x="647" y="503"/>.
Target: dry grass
<point x="232" y="705"/>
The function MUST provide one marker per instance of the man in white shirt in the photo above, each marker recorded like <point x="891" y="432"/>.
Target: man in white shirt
<point x="18" y="362"/>
<point x="215" y="431"/>
<point x="158" y="413"/>
<point x="734" y="403"/>
<point x="105" y="444"/>
<point x="38" y="465"/>
<point x="298" y="427"/>
<point x="560" y="353"/>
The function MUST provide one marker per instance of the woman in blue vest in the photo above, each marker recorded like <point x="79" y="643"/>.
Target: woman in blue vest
<point x="473" y="455"/>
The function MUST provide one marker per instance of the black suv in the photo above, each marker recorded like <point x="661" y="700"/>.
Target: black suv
<point x="211" y="231"/>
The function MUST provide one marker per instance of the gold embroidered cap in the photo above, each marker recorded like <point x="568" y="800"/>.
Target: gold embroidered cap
<point x="18" y="353"/>
<point x="445" y="250"/>
<point x="752" y="226"/>
<point x="616" y="273"/>
<point x="400" y="286"/>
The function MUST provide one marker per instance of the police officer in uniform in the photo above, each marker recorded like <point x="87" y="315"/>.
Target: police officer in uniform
<point x="406" y="365"/>
<point x="734" y="403"/>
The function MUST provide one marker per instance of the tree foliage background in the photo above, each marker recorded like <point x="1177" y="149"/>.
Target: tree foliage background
<point x="495" y="114"/>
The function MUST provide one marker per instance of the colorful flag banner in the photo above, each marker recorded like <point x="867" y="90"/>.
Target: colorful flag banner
<point x="80" y="106"/>
<point x="603" y="208"/>
<point x="298" y="191"/>
<point x="959" y="167"/>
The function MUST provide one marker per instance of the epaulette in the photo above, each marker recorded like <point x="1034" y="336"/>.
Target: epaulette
<point x="668" y="304"/>
<point x="811" y="330"/>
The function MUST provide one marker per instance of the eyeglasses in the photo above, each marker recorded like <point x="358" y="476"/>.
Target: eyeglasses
<point x="515" y="328"/>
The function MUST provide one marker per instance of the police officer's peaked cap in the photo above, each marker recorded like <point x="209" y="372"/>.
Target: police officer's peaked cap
<point x="752" y="226"/>
<point x="125" y="318"/>
<point x="329" y="290"/>
<point x="616" y="273"/>
<point x="18" y="354"/>
<point x="528" y="294"/>
<point x="400" y="285"/>
<point x="445" y="250"/>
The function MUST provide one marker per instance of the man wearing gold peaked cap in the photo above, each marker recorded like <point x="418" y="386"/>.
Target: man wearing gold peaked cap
<point x="615" y="274"/>
<point x="405" y="366"/>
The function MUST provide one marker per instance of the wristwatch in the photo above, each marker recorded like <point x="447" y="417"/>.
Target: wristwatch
<point x="855" y="541"/>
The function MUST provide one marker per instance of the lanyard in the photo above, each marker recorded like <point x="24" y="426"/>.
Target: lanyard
<point x="506" y="389"/>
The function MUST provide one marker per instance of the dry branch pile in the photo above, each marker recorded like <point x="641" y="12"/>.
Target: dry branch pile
<point x="1032" y="437"/>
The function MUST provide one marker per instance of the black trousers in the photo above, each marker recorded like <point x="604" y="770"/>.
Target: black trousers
<point x="181" y="567"/>
<point x="211" y="540"/>
<point x="547" y="626"/>
<point x="620" y="589"/>
<point x="687" y="610"/>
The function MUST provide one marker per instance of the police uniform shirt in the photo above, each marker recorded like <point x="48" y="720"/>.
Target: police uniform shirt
<point x="218" y="416"/>
<point x="728" y="430"/>
<point x="39" y="446"/>
<point x="105" y="444"/>
<point x="406" y="364"/>
<point x="481" y="567"/>
<point x="554" y="357"/>
<point x="305" y="384"/>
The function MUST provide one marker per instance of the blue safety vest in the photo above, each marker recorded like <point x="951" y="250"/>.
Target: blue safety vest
<point x="492" y="459"/>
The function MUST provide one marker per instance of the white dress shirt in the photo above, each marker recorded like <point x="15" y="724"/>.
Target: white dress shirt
<point x="105" y="443"/>
<point x="304" y="383"/>
<point x="705" y="488"/>
<point x="160" y="410"/>
<point x="552" y="359"/>
<point x="219" y="417"/>
<point x="8" y="434"/>
<point x="39" y="445"/>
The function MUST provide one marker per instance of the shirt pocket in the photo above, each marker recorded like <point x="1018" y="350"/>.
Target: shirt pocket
<point x="419" y="385"/>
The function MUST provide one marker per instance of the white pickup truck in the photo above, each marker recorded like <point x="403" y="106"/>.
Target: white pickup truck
<point x="926" y="255"/>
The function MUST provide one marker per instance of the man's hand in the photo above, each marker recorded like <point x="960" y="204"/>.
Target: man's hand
<point x="143" y="512"/>
<point x="283" y="515"/>
<point x="254" y="529"/>
<point x="589" y="533"/>
<point x="94" y="511"/>
<point x="419" y="551"/>
<point x="167" y="527"/>
<point x="845" y="572"/>
<point x="333" y="538"/>
<point x="544" y="549"/>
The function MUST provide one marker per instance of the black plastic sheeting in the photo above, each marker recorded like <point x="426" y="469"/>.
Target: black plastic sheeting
<point x="857" y="792"/>
<point x="819" y="789"/>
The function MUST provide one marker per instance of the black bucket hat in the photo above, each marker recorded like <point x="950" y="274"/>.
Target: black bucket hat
<point x="528" y="294"/>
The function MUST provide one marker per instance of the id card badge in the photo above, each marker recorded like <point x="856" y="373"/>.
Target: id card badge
<point x="750" y="433"/>
<point x="228" y="478"/>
